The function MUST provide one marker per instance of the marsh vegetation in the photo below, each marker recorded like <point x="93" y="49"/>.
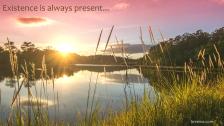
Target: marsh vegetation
<point x="176" y="82"/>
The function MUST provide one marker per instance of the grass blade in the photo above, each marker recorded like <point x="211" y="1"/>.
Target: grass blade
<point x="108" y="39"/>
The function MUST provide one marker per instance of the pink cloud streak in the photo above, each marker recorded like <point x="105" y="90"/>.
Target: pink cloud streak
<point x="121" y="6"/>
<point x="31" y="20"/>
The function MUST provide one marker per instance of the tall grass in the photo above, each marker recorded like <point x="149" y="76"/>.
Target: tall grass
<point x="187" y="101"/>
<point x="179" y="106"/>
<point x="36" y="110"/>
<point x="183" y="101"/>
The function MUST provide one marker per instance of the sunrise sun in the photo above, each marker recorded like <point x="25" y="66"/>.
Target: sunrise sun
<point x="65" y="44"/>
<point x="64" y="48"/>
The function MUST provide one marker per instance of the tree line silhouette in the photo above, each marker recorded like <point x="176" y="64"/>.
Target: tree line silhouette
<point x="186" y="48"/>
<point x="28" y="53"/>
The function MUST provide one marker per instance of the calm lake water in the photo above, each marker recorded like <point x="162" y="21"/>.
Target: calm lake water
<point x="73" y="91"/>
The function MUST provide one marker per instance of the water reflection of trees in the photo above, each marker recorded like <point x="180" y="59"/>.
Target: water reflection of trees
<point x="10" y="82"/>
<point x="6" y="74"/>
<point x="131" y="78"/>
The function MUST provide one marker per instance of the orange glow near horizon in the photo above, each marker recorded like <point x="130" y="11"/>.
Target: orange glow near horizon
<point x="64" y="45"/>
<point x="64" y="48"/>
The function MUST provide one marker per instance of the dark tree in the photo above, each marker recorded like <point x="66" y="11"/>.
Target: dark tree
<point x="1" y="49"/>
<point x="10" y="46"/>
<point x="28" y="47"/>
<point x="184" y="47"/>
<point x="218" y="35"/>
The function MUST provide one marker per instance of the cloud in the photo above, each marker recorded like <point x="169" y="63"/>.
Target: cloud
<point x="30" y="20"/>
<point x="121" y="6"/>
<point x="132" y="78"/>
<point x="33" y="21"/>
<point x="129" y="48"/>
<point x="219" y="1"/>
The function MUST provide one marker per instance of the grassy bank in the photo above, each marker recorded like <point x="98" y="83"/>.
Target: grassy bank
<point x="183" y="104"/>
<point x="175" y="107"/>
<point x="187" y="95"/>
<point x="180" y="105"/>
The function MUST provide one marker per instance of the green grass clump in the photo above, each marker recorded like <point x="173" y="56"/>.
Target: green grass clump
<point x="178" y="106"/>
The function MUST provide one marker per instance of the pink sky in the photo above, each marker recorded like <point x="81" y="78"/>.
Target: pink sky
<point x="81" y="30"/>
